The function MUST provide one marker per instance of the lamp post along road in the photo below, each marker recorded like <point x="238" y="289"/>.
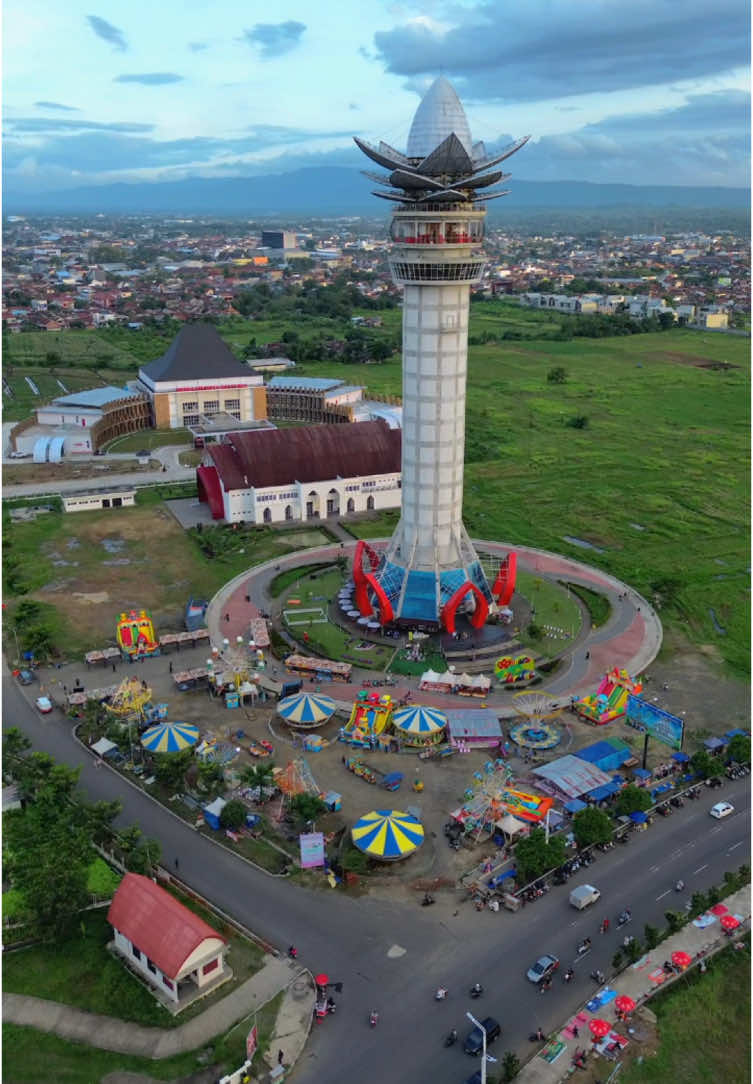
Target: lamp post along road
<point x="484" y="1056"/>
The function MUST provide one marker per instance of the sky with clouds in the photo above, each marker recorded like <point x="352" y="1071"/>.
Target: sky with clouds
<point x="654" y="92"/>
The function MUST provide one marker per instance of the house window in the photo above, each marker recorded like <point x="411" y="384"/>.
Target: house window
<point x="211" y="406"/>
<point x="232" y="404"/>
<point x="190" y="407"/>
<point x="167" y="982"/>
<point x="151" y="966"/>
<point x="190" y="419"/>
<point x="135" y="952"/>
<point x="211" y="966"/>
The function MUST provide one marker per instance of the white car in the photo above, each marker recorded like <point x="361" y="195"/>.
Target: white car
<point x="721" y="809"/>
<point x="44" y="704"/>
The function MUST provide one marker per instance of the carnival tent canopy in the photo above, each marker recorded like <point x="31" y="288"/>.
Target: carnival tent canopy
<point x="103" y="747"/>
<point x="638" y="817"/>
<point x="419" y="720"/>
<point x="170" y="737"/>
<point x="509" y="825"/>
<point x="713" y="743"/>
<point x="572" y="776"/>
<point x="680" y="758"/>
<point x="305" y="709"/>
<point x="575" y="805"/>
<point x="641" y="773"/>
<point x="387" y="834"/>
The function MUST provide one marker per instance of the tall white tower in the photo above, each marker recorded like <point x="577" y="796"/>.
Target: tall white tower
<point x="430" y="567"/>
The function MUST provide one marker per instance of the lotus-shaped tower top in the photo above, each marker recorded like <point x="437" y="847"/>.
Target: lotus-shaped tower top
<point x="441" y="163"/>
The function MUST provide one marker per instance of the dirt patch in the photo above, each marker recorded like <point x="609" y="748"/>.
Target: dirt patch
<point x="95" y="598"/>
<point x="678" y="358"/>
<point x="28" y="473"/>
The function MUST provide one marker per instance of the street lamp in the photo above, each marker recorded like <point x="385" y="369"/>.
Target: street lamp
<point x="484" y="1056"/>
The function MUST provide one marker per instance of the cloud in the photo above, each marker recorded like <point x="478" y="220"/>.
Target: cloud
<point x="64" y="124"/>
<point x="107" y="32"/>
<point x="555" y="48"/>
<point x="197" y="46"/>
<point x="275" y="39"/>
<point x="150" y="79"/>
<point x="57" y="105"/>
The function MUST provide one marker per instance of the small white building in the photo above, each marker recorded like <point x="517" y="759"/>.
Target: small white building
<point x="173" y="949"/>
<point x="302" y="473"/>
<point x="95" y="500"/>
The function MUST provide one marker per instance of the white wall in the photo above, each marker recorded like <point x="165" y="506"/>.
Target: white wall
<point x="156" y="978"/>
<point x="249" y="505"/>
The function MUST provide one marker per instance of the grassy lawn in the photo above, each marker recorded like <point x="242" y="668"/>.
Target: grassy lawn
<point x="149" y="439"/>
<point x="598" y="606"/>
<point x="315" y="591"/>
<point x="554" y="607"/>
<point x="66" y="562"/>
<point x="380" y="525"/>
<point x="704" y="1027"/>
<point x="30" y="1056"/>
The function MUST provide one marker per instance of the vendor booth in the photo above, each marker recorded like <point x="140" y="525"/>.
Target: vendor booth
<point x="476" y="728"/>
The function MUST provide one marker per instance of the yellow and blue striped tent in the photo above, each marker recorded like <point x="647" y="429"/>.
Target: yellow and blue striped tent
<point x="419" y="722"/>
<point x="170" y="737"/>
<point x="306" y="709"/>
<point x="387" y="834"/>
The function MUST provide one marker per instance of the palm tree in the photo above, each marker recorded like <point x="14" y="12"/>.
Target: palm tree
<point x="259" y="777"/>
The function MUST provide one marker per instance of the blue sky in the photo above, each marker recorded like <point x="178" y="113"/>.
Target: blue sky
<point x="651" y="92"/>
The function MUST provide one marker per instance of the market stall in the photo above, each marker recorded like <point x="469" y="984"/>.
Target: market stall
<point x="318" y="669"/>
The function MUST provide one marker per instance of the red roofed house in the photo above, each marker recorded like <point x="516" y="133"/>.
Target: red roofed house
<point x="307" y="472"/>
<point x="170" y="946"/>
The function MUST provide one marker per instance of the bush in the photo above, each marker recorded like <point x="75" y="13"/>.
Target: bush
<point x="652" y="936"/>
<point x="233" y="815"/>
<point x="557" y="375"/>
<point x="535" y="631"/>
<point x="580" y="421"/>
<point x="510" y="1065"/>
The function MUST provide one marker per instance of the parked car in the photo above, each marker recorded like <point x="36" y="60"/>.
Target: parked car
<point x="544" y="968"/>
<point x="44" y="704"/>
<point x="721" y="809"/>
<point x="474" y="1042"/>
<point x="25" y="677"/>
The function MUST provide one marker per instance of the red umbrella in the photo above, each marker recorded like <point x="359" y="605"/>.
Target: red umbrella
<point x="681" y="959"/>
<point x="624" y="1003"/>
<point x="718" y="909"/>
<point x="321" y="980"/>
<point x="729" y="922"/>
<point x="599" y="1028"/>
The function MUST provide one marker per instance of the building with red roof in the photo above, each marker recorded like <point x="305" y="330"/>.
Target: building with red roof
<point x="168" y="945"/>
<point x="305" y="472"/>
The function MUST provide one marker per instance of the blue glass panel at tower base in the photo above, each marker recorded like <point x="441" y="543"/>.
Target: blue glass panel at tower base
<point x="420" y="598"/>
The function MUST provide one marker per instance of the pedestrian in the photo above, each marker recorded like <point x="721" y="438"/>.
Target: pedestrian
<point x="227" y="617"/>
<point x="171" y="668"/>
<point x="540" y="1034"/>
<point x="280" y="1056"/>
<point x="113" y="668"/>
<point x="176" y="863"/>
<point x="588" y="655"/>
<point x="576" y="1031"/>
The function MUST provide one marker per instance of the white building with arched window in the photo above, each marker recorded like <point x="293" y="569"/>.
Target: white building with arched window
<point x="303" y="473"/>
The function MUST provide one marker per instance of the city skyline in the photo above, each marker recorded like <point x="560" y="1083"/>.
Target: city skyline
<point x="163" y="92"/>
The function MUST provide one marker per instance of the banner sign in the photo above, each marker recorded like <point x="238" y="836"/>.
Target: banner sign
<point x="312" y="850"/>
<point x="659" y="724"/>
<point x="252" y="1040"/>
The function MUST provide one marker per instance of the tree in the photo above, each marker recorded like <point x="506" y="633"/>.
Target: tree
<point x="211" y="777"/>
<point x="307" y="807"/>
<point x="557" y="375"/>
<point x="233" y="815"/>
<point x="510" y="1065"/>
<point x="534" y="856"/>
<point x="144" y="857"/>
<point x="15" y="745"/>
<point x="39" y="640"/>
<point x="739" y="749"/>
<point x="259" y="777"/>
<point x="50" y="862"/>
<point x="592" y="826"/>
<point x="170" y="768"/>
<point x="705" y="765"/>
<point x="652" y="936"/>
<point x="580" y="421"/>
<point x="27" y="611"/>
<point x="632" y="799"/>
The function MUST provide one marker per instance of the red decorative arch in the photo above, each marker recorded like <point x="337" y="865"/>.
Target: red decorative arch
<point x="359" y="576"/>
<point x="504" y="585"/>
<point x="479" y="615"/>
<point x="385" y="606"/>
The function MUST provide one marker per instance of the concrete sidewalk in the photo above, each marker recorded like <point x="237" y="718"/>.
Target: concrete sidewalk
<point x="639" y="981"/>
<point x="120" y="1036"/>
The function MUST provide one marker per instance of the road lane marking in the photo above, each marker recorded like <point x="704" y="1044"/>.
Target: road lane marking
<point x="663" y="895"/>
<point x="735" y="845"/>
<point x="653" y="869"/>
<point x="715" y="830"/>
<point x="701" y="868"/>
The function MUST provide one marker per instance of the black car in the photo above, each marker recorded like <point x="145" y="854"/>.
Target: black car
<point x="474" y="1042"/>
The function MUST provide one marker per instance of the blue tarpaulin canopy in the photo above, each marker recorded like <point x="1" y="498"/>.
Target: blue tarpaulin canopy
<point x="714" y="743"/>
<point x="735" y="732"/>
<point x="605" y="791"/>
<point x="681" y="758"/>
<point x="638" y="817"/>
<point x="606" y="755"/>
<point x="575" y="805"/>
<point x="664" y="787"/>
<point x="642" y="773"/>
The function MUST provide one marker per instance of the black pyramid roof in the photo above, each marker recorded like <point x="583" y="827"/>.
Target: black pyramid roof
<point x="196" y="353"/>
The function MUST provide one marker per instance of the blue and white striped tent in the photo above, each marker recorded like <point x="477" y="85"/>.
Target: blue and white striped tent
<point x="306" y="709"/>
<point x="419" y="722"/>
<point x="170" y="737"/>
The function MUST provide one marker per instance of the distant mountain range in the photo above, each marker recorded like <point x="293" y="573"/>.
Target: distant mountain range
<point x="329" y="191"/>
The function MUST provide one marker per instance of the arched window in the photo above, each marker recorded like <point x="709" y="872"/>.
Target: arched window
<point x="267" y="515"/>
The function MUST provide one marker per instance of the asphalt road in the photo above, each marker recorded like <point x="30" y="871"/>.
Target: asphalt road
<point x="392" y="957"/>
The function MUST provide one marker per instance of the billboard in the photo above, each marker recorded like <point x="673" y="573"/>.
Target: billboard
<point x="654" y="721"/>
<point x="312" y="850"/>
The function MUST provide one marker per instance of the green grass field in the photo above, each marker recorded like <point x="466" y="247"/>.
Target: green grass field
<point x="554" y="607"/>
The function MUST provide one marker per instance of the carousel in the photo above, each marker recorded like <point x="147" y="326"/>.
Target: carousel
<point x="536" y="730"/>
<point x="420" y="726"/>
<point x="306" y="710"/>
<point x="387" y="835"/>
<point x="170" y="737"/>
